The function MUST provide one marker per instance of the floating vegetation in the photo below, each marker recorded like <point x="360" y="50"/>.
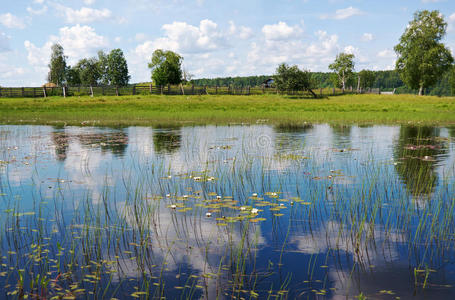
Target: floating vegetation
<point x="244" y="212"/>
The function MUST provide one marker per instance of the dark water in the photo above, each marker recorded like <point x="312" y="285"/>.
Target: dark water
<point x="173" y="212"/>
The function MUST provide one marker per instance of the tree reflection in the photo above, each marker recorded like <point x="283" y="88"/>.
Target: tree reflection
<point x="418" y="152"/>
<point x="114" y="142"/>
<point x="289" y="137"/>
<point x="167" y="141"/>
<point x="341" y="135"/>
<point x="61" y="142"/>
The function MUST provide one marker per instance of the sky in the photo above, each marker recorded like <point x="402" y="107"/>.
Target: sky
<point x="216" y="38"/>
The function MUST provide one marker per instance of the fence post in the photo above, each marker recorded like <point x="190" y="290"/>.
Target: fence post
<point x="168" y="89"/>
<point x="216" y="90"/>
<point x="134" y="90"/>
<point x="102" y="90"/>
<point x="44" y="92"/>
<point x="34" y="93"/>
<point x="192" y="89"/>
<point x="263" y="88"/>
<point x="151" y="88"/>
<point x="161" y="89"/>
<point x="0" y="91"/>
<point x="333" y="91"/>
<point x="116" y="90"/>
<point x="248" y="90"/>
<point x="320" y="92"/>
<point x="379" y="91"/>
<point x="64" y="92"/>
<point x="23" y="92"/>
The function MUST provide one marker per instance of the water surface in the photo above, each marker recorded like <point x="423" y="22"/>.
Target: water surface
<point x="309" y="211"/>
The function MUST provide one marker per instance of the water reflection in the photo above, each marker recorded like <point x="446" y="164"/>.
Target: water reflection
<point x="61" y="142"/>
<point x="167" y="141"/>
<point x="419" y="151"/>
<point x="236" y="211"/>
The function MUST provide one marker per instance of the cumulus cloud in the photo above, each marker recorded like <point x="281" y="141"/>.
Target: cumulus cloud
<point x="11" y="21"/>
<point x="78" y="42"/>
<point x="185" y="38"/>
<point x="242" y="32"/>
<point x="317" y="51"/>
<point x="281" y="31"/>
<point x="83" y="15"/>
<point x="344" y="13"/>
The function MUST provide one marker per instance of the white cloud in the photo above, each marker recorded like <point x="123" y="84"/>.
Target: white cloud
<point x="314" y="54"/>
<point x="366" y="37"/>
<point x="78" y="42"/>
<point x="387" y="53"/>
<point x="281" y="31"/>
<point x="89" y="2"/>
<point x="184" y="38"/>
<point x="344" y="13"/>
<point x="241" y="32"/>
<point x="39" y="11"/>
<point x="83" y="15"/>
<point x="11" y="21"/>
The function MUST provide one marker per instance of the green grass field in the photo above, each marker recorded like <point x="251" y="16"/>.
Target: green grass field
<point x="208" y="109"/>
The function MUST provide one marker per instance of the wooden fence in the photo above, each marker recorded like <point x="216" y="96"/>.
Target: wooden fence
<point x="36" y="92"/>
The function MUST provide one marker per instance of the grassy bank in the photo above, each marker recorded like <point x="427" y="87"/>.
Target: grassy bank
<point x="208" y="109"/>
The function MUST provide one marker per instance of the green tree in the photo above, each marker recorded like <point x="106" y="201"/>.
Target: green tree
<point x="73" y="76"/>
<point x="166" y="67"/>
<point x="57" y="65"/>
<point x="343" y="66"/>
<point x="89" y="71"/>
<point x="117" y="68"/>
<point x="366" y="79"/>
<point x="291" y="78"/>
<point x="103" y="67"/>
<point x="422" y="58"/>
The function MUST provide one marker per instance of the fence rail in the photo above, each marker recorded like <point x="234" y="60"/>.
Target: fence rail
<point x="39" y="92"/>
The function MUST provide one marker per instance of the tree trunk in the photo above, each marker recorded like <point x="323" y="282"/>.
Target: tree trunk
<point x="358" y="84"/>
<point x="343" y="81"/>
<point x="421" y="90"/>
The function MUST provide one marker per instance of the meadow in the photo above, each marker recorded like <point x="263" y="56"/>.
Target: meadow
<point x="227" y="109"/>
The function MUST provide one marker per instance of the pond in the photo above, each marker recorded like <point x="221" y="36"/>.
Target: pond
<point x="311" y="211"/>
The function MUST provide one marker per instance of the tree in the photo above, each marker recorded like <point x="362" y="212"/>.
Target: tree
<point x="289" y="78"/>
<point x="117" y="68"/>
<point x="89" y="71"/>
<point x="57" y="65"/>
<point x="422" y="58"/>
<point x="103" y="67"/>
<point x="343" y="66"/>
<point x="73" y="76"/>
<point x="366" y="79"/>
<point x="166" y="67"/>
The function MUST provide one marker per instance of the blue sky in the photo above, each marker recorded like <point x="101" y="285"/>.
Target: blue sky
<point x="216" y="38"/>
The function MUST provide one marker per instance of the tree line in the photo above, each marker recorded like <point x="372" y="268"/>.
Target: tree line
<point x="424" y="65"/>
<point x="107" y="68"/>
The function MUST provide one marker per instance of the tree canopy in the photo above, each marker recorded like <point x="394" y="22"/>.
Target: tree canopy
<point x="343" y="66"/>
<point x="116" y="68"/>
<point x="166" y="67"/>
<point x="89" y="71"/>
<point x="422" y="58"/>
<point x="291" y="78"/>
<point x="57" y="65"/>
